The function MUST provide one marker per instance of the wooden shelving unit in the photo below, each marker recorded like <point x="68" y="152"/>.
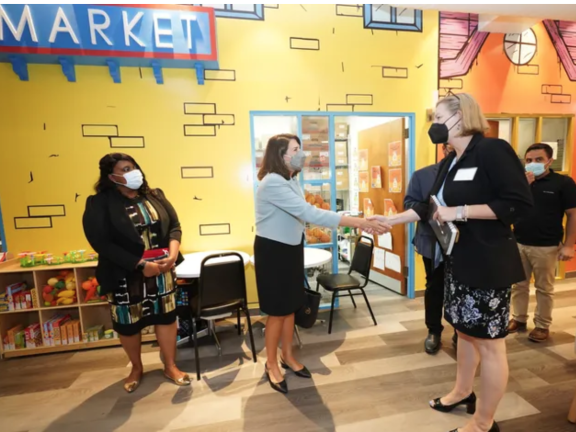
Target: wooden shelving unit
<point x="89" y="314"/>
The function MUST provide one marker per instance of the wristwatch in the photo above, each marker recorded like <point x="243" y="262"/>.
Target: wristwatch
<point x="141" y="266"/>
<point x="460" y="214"/>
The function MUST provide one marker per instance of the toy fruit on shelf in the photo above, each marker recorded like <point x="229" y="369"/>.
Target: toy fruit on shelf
<point x="60" y="290"/>
<point x="92" y="288"/>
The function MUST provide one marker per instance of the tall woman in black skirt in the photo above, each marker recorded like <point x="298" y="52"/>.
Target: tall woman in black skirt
<point x="482" y="188"/>
<point x="281" y="214"/>
<point x="124" y="222"/>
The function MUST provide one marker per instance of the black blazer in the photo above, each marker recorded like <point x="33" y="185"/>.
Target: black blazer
<point x="418" y="190"/>
<point x="486" y="255"/>
<point x="113" y="236"/>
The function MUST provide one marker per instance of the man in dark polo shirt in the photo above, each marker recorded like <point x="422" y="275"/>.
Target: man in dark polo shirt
<point x="541" y="240"/>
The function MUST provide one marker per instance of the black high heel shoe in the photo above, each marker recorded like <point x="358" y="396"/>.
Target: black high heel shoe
<point x="302" y="373"/>
<point x="280" y="387"/>
<point x="494" y="428"/>
<point x="470" y="403"/>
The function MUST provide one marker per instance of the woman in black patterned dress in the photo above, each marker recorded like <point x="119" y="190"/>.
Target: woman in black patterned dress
<point x="125" y="222"/>
<point x="482" y="188"/>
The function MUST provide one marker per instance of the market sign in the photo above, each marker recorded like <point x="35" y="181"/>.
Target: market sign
<point x="110" y="35"/>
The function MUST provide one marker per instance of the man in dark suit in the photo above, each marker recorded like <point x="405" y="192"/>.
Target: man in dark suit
<point x="424" y="242"/>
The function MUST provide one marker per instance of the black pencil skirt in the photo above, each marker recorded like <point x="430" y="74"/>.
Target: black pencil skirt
<point x="279" y="276"/>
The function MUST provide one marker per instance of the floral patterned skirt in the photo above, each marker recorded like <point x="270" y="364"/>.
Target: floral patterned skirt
<point x="476" y="312"/>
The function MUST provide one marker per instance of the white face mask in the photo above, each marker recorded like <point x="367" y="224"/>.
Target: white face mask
<point x="134" y="179"/>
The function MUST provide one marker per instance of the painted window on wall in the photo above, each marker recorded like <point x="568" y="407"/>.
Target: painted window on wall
<point x="386" y="17"/>
<point x="238" y="11"/>
<point x="520" y="48"/>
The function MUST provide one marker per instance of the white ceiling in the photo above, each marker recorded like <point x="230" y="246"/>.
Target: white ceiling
<point x="565" y="12"/>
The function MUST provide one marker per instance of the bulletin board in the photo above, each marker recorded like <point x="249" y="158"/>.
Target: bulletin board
<point x="381" y="177"/>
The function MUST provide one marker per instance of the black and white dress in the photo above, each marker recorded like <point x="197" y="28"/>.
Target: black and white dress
<point x="140" y="301"/>
<point x="481" y="313"/>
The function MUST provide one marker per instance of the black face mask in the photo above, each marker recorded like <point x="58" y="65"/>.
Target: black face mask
<point x="438" y="132"/>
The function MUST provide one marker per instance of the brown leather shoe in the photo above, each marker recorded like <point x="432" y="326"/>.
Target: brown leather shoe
<point x="539" y="335"/>
<point x="516" y="326"/>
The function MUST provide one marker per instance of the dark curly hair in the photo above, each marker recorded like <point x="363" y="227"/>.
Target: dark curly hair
<point x="107" y="164"/>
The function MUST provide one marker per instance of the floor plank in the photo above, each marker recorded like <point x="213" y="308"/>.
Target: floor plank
<point x="365" y="378"/>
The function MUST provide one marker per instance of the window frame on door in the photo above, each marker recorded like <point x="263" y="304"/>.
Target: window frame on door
<point x="332" y="115"/>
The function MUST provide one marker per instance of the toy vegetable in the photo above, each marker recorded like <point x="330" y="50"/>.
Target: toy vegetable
<point x="91" y="287"/>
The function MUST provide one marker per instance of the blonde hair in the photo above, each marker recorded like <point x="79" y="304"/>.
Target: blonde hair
<point x="473" y="121"/>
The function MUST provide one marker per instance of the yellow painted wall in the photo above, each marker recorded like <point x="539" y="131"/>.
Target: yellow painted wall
<point x="44" y="116"/>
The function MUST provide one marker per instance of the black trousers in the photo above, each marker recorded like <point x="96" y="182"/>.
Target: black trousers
<point x="434" y="296"/>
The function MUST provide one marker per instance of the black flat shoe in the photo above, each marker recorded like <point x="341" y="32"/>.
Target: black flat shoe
<point x="494" y="428"/>
<point x="302" y="373"/>
<point x="432" y="343"/>
<point x="280" y="387"/>
<point x="470" y="403"/>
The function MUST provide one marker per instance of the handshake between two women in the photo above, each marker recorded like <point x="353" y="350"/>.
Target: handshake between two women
<point x="376" y="225"/>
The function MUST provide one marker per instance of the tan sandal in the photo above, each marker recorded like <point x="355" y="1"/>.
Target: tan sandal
<point x="132" y="386"/>
<point x="181" y="382"/>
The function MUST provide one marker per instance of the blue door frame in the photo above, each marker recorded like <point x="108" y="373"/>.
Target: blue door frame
<point x="331" y="115"/>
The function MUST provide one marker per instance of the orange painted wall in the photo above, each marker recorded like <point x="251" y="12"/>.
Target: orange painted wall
<point x="500" y="89"/>
<point x="495" y="83"/>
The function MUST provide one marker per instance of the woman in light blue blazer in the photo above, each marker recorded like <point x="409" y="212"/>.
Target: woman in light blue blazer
<point x="281" y="215"/>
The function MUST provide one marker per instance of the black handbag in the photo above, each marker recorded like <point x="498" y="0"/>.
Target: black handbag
<point x="306" y="316"/>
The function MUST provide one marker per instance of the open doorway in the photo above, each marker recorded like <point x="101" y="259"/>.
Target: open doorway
<point x="358" y="163"/>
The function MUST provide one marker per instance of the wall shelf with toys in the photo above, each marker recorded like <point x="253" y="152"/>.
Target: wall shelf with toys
<point x="52" y="308"/>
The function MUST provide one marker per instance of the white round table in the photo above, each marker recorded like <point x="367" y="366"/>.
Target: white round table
<point x="313" y="257"/>
<point x="190" y="268"/>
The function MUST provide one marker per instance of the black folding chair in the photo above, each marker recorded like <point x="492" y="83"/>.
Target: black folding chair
<point x="221" y="292"/>
<point x="336" y="283"/>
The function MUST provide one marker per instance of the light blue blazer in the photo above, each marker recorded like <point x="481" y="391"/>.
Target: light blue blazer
<point x="282" y="211"/>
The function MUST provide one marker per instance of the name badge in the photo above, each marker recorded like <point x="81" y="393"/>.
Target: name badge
<point x="465" y="174"/>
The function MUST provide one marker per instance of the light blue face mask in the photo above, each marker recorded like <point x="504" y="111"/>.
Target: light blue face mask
<point x="536" y="168"/>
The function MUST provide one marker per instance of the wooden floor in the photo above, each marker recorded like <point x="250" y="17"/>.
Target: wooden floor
<point x="365" y="378"/>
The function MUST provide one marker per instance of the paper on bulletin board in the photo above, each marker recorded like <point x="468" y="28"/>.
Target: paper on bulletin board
<point x="389" y="207"/>
<point x="379" y="259"/>
<point x="395" y="180"/>
<point x="385" y="241"/>
<point x="363" y="182"/>
<point x="376" y="177"/>
<point x="368" y="208"/>
<point x="395" y="154"/>
<point x="393" y="262"/>
<point x="363" y="160"/>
